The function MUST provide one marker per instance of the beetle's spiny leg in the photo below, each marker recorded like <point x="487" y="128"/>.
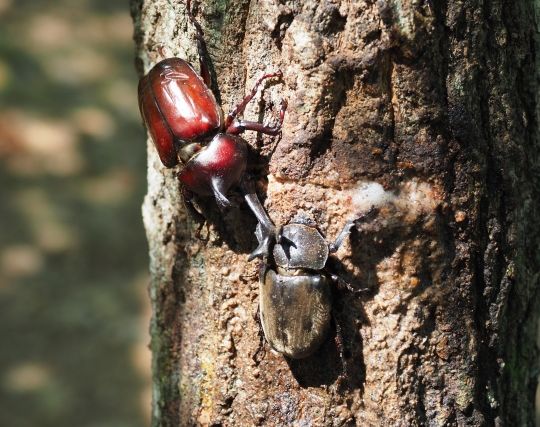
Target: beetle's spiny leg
<point x="367" y="215"/>
<point x="201" y="47"/>
<point x="239" y="109"/>
<point x="341" y="349"/>
<point x="260" y="347"/>
<point x="343" y="284"/>
<point x="239" y="126"/>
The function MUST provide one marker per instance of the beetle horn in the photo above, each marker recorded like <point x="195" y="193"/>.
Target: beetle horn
<point x="221" y="199"/>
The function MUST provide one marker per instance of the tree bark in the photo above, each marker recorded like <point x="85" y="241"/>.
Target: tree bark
<point x="425" y="109"/>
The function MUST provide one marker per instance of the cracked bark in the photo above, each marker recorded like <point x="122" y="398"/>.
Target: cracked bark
<point x="426" y="109"/>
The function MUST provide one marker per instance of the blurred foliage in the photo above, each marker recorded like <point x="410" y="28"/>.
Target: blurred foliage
<point x="73" y="256"/>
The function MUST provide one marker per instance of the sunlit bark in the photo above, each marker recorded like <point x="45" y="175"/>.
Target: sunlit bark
<point x="425" y="109"/>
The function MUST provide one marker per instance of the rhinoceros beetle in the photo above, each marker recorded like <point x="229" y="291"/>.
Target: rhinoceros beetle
<point x="186" y="124"/>
<point x="295" y="295"/>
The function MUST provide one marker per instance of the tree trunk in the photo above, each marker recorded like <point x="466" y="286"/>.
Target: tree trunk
<point x="425" y="109"/>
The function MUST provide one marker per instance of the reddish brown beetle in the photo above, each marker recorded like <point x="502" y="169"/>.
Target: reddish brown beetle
<point x="187" y="124"/>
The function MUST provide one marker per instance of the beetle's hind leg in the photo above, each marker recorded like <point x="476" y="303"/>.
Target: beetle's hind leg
<point x="259" y="354"/>
<point x="201" y="47"/>
<point x="341" y="350"/>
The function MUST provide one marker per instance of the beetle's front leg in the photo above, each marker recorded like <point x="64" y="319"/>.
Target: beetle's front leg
<point x="333" y="247"/>
<point x="266" y="231"/>
<point x="239" y="126"/>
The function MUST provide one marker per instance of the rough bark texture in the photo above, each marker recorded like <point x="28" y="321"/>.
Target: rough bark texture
<point x="426" y="109"/>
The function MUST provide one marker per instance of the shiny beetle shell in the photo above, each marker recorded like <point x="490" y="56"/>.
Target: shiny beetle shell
<point x="296" y="287"/>
<point x="295" y="312"/>
<point x="177" y="107"/>
<point x="217" y="167"/>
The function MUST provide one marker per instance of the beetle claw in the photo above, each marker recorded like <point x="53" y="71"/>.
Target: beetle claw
<point x="262" y="251"/>
<point x="265" y="238"/>
<point x="198" y="233"/>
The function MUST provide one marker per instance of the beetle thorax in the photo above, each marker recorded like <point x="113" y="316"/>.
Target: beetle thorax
<point x="301" y="247"/>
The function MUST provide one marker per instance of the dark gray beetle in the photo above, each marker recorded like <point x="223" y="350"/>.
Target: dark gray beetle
<point x="295" y="295"/>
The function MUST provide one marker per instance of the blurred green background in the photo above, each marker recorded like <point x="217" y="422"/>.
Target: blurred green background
<point x="73" y="262"/>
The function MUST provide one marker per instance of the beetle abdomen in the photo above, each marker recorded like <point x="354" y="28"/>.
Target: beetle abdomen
<point x="176" y="104"/>
<point x="295" y="312"/>
<point x="154" y="121"/>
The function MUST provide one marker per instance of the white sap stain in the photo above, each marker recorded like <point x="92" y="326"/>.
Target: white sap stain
<point x="403" y="204"/>
<point x="371" y="195"/>
<point x="411" y="198"/>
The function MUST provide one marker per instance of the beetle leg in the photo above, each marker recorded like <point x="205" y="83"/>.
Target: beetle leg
<point x="263" y="249"/>
<point x="201" y="47"/>
<point x="343" y="284"/>
<point x="341" y="349"/>
<point x="333" y="247"/>
<point x="266" y="230"/>
<point x="239" y="126"/>
<point x="260" y="333"/>
<point x="256" y="207"/>
<point x="239" y="109"/>
<point x="194" y="213"/>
